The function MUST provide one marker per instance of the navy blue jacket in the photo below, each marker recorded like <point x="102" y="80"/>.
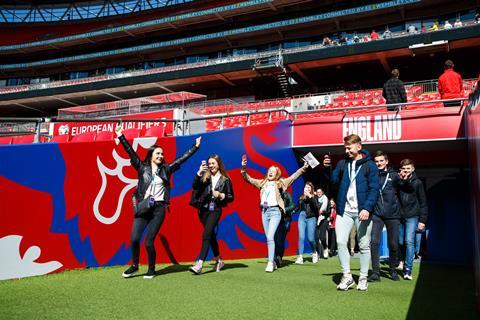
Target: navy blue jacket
<point x="388" y="206"/>
<point x="367" y="184"/>
<point x="414" y="200"/>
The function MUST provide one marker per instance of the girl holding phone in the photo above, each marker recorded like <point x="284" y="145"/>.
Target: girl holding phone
<point x="271" y="202"/>
<point x="212" y="190"/>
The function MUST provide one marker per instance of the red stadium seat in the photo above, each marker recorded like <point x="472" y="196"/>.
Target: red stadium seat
<point x="84" y="137"/>
<point x="104" y="136"/>
<point x="155" y="131"/>
<point x="6" y="140"/>
<point x="131" y="134"/>
<point x="25" y="139"/>
<point x="60" y="138"/>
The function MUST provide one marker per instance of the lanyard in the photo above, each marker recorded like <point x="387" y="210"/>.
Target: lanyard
<point x="385" y="183"/>
<point x="355" y="174"/>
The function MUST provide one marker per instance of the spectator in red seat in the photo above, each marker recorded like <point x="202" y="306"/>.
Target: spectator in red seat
<point x="374" y="35"/>
<point x="394" y="90"/>
<point x="450" y="84"/>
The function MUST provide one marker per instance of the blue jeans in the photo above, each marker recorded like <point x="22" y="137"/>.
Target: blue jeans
<point x="270" y="219"/>
<point x="406" y="235"/>
<point x="309" y="224"/>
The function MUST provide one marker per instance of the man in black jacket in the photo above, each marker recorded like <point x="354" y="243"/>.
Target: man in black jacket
<point x="414" y="213"/>
<point x="283" y="227"/>
<point x="394" y="90"/>
<point x="386" y="213"/>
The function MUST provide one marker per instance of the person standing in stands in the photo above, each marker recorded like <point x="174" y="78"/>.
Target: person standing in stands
<point x="394" y="90"/>
<point x="458" y="23"/>
<point x="271" y="202"/>
<point x="374" y="36"/>
<point x="283" y="228"/>
<point x="447" y="25"/>
<point x="387" y="34"/>
<point x="414" y="215"/>
<point x="153" y="194"/>
<point x="332" y="237"/>
<point x="307" y="222"/>
<point x="387" y="213"/>
<point x="450" y="84"/>
<point x="357" y="177"/>
<point x="211" y="191"/>
<point x="434" y="27"/>
<point x="322" y="224"/>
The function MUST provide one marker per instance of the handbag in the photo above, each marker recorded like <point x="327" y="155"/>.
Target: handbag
<point x="140" y="208"/>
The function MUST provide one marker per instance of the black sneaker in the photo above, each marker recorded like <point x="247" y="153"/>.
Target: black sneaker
<point x="394" y="275"/>
<point x="130" y="271"/>
<point x="374" y="277"/>
<point x="149" y="275"/>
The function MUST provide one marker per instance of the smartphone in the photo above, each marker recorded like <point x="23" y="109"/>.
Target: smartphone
<point x="204" y="162"/>
<point x="244" y="157"/>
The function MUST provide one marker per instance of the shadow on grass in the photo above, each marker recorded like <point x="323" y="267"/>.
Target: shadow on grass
<point x="443" y="292"/>
<point x="337" y="277"/>
<point x="228" y="266"/>
<point x="174" y="268"/>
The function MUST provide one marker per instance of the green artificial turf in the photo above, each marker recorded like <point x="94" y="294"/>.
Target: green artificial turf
<point x="242" y="291"/>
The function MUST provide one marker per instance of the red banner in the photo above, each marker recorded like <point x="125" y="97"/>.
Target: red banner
<point x="404" y="126"/>
<point x="75" y="128"/>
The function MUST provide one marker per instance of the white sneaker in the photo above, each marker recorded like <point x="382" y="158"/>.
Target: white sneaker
<point x="270" y="267"/>
<point x="400" y="266"/>
<point x="325" y="253"/>
<point x="362" y="284"/>
<point x="315" y="257"/>
<point x="346" y="283"/>
<point x="299" y="260"/>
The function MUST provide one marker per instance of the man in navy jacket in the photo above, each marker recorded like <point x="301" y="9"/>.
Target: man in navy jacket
<point x="387" y="212"/>
<point x="357" y="177"/>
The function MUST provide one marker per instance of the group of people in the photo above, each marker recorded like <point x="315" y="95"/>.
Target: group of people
<point x="370" y="195"/>
<point x="450" y="86"/>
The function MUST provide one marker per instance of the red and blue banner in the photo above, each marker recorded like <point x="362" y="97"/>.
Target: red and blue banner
<point x="66" y="206"/>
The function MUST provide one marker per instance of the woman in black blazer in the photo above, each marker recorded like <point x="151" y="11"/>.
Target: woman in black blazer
<point x="212" y="190"/>
<point x="154" y="187"/>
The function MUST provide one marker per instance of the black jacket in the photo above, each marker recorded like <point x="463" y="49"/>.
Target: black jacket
<point x="310" y="206"/>
<point x="202" y="192"/>
<point x="290" y="205"/>
<point x="394" y="91"/>
<point x="388" y="206"/>
<point x="414" y="200"/>
<point x="144" y="170"/>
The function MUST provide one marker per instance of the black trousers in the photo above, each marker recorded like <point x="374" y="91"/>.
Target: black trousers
<point x="332" y="240"/>
<point x="392" y="238"/>
<point x="152" y="221"/>
<point x="280" y="236"/>
<point x="321" y="237"/>
<point x="209" y="220"/>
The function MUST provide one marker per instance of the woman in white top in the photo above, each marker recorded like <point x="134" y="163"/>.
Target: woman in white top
<point x="150" y="199"/>
<point x="211" y="191"/>
<point x="271" y="202"/>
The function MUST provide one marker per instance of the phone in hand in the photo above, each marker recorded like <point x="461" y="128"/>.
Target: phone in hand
<point x="244" y="157"/>
<point x="204" y="162"/>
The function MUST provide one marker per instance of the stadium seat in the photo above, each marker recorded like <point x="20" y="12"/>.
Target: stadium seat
<point x="60" y="138"/>
<point x="155" y="131"/>
<point x="104" y="136"/>
<point x="131" y="134"/>
<point x="6" y="140"/>
<point x="84" y="137"/>
<point x="25" y="139"/>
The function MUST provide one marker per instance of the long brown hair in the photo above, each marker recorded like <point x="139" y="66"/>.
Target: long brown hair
<point x="312" y="188"/>
<point x="221" y="168"/>
<point x="277" y="175"/>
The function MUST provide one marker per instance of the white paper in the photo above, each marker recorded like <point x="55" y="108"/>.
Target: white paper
<point x="312" y="161"/>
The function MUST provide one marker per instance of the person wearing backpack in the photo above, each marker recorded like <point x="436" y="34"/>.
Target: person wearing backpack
<point x="283" y="228"/>
<point x="211" y="191"/>
<point x="357" y="177"/>
<point x="271" y="202"/>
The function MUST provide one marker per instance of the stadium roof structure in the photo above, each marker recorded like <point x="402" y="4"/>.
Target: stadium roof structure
<point x="55" y="11"/>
